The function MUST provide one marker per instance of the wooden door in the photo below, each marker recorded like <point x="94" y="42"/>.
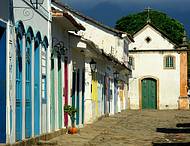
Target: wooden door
<point x="18" y="88"/>
<point x="37" y="89"/>
<point x="66" y="90"/>
<point x="83" y="93"/>
<point x="73" y="88"/>
<point x="60" y="92"/>
<point x="78" y="97"/>
<point x="28" y="99"/>
<point x="3" y="85"/>
<point x="149" y="94"/>
<point x="52" y="99"/>
<point x="115" y="96"/>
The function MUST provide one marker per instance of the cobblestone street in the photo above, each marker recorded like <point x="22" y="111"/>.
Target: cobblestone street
<point x="128" y="128"/>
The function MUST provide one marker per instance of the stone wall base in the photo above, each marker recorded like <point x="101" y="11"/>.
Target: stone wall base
<point x="183" y="103"/>
<point x="35" y="140"/>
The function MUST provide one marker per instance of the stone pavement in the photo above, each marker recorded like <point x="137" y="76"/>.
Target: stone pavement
<point x="128" y="128"/>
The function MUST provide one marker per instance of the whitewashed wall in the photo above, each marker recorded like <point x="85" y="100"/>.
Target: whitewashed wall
<point x="151" y="63"/>
<point x="157" y="42"/>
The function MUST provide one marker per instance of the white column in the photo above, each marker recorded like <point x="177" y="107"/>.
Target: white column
<point x="88" y="98"/>
<point x="69" y="62"/>
<point x="113" y="100"/>
<point x="56" y="90"/>
<point x="32" y="86"/>
<point x="14" y="89"/>
<point x="7" y="86"/>
<point x="48" y="86"/>
<point x="23" y="85"/>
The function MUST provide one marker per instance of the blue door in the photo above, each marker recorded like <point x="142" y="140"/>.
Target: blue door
<point x="28" y="120"/>
<point x="115" y="96"/>
<point x="36" y="89"/>
<point x="3" y="85"/>
<point x="18" y="88"/>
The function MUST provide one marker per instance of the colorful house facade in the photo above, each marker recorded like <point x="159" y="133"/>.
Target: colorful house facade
<point x="48" y="51"/>
<point x="93" y="90"/>
<point x="25" y="45"/>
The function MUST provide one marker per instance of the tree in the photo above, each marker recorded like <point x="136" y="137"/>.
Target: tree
<point x="169" y="26"/>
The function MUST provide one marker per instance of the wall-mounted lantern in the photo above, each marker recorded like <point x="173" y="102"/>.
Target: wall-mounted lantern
<point x="116" y="75"/>
<point x="93" y="65"/>
<point x="35" y="3"/>
<point x="74" y="66"/>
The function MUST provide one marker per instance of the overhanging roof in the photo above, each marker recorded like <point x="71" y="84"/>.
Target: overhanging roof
<point x="118" y="32"/>
<point x="68" y="21"/>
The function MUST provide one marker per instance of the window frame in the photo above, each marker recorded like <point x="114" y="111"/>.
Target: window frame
<point x="132" y="63"/>
<point x="169" y="65"/>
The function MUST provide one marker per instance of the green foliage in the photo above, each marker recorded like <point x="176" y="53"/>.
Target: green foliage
<point x="169" y="26"/>
<point x="71" y="112"/>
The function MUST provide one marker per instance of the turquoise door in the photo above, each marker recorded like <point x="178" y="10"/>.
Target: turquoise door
<point x="73" y="88"/>
<point x="36" y="88"/>
<point x="18" y="88"/>
<point x="149" y="93"/>
<point x="60" y="92"/>
<point x="3" y="85"/>
<point x="28" y="117"/>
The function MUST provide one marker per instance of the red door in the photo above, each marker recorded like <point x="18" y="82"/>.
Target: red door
<point x="66" y="91"/>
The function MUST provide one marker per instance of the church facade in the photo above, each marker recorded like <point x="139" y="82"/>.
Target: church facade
<point x="159" y="71"/>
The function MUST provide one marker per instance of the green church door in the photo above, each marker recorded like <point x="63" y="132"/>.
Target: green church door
<point x="149" y="93"/>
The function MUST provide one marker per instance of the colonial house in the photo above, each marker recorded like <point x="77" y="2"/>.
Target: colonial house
<point x="53" y="56"/>
<point x="159" y="71"/>
<point x="4" y="47"/>
<point x="25" y="40"/>
<point x="97" y="56"/>
<point x="63" y="43"/>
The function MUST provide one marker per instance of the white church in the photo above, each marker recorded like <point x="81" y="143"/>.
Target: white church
<point x="159" y="71"/>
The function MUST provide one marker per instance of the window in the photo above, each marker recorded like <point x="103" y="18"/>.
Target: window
<point x="148" y="39"/>
<point x="132" y="62"/>
<point x="169" y="62"/>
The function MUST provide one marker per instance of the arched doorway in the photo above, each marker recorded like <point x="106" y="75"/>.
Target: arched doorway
<point x="37" y="49"/>
<point x="149" y="93"/>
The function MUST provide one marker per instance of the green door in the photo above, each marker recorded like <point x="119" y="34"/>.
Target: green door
<point x="149" y="94"/>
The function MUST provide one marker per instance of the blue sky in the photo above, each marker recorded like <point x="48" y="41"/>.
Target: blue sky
<point x="108" y="11"/>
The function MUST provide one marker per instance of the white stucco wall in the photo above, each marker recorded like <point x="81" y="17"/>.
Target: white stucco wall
<point x="38" y="19"/>
<point x="151" y="65"/>
<point x="104" y="38"/>
<point x="157" y="40"/>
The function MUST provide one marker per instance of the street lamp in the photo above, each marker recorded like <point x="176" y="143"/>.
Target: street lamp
<point x="116" y="75"/>
<point x="93" y="65"/>
<point x="36" y="3"/>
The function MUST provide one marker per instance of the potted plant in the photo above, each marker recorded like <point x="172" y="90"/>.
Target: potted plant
<point x="71" y="112"/>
